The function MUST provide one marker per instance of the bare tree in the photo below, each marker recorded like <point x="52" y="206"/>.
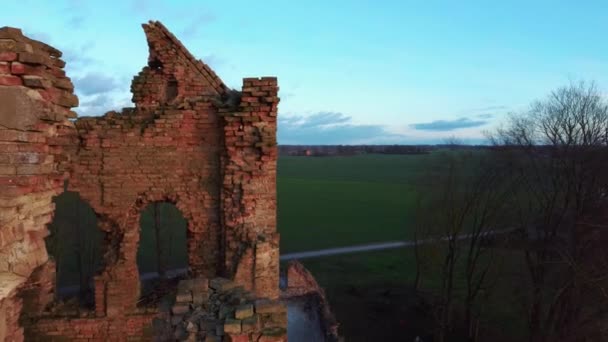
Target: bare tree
<point x="453" y="142"/>
<point x="558" y="152"/>
<point x="463" y="213"/>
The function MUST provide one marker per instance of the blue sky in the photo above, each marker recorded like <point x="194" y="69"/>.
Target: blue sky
<point x="351" y="71"/>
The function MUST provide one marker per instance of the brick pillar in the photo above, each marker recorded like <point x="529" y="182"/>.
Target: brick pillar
<point x="249" y="188"/>
<point x="35" y="103"/>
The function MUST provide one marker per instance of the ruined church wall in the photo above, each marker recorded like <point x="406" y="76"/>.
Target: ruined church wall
<point x="249" y="188"/>
<point x="127" y="161"/>
<point x="36" y="100"/>
<point x="184" y="142"/>
<point x="167" y="148"/>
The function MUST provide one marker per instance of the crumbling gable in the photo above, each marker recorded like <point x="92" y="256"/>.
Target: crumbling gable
<point x="172" y="74"/>
<point x="189" y="140"/>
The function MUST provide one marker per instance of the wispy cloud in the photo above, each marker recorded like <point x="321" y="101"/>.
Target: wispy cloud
<point x="193" y="17"/>
<point x="75" y="13"/>
<point x="76" y="21"/>
<point x="94" y="83"/>
<point x="214" y="61"/>
<point x="144" y="6"/>
<point x="286" y="94"/>
<point x="37" y="35"/>
<point x="97" y="101"/>
<point x="330" y="128"/>
<point x="101" y="104"/>
<point x="449" y="125"/>
<point x="79" y="57"/>
<point x="192" y="29"/>
<point x="489" y="108"/>
<point x="96" y="105"/>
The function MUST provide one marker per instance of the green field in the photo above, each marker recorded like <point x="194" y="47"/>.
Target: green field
<point x="375" y="289"/>
<point x="339" y="201"/>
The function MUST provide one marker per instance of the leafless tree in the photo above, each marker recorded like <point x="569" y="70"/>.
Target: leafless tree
<point x="558" y="152"/>
<point x="461" y="215"/>
<point x="453" y="142"/>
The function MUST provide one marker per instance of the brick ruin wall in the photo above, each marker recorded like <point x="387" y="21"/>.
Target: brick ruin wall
<point x="35" y="103"/>
<point x="189" y="140"/>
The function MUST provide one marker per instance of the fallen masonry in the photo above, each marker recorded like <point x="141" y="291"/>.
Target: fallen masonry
<point x="211" y="310"/>
<point x="190" y="141"/>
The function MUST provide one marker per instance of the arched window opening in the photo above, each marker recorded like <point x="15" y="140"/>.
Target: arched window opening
<point x="162" y="256"/>
<point x="75" y="244"/>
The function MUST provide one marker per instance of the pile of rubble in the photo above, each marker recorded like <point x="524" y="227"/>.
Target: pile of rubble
<point x="219" y="310"/>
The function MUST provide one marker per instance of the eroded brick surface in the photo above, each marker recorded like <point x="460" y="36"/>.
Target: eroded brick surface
<point x="189" y="140"/>
<point x="33" y="118"/>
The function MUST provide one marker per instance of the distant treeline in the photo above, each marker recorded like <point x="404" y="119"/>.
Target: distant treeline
<point x="346" y="150"/>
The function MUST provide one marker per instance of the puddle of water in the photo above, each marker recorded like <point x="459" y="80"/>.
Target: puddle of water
<point x="303" y="324"/>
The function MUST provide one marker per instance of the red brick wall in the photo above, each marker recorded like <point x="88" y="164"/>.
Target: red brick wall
<point x="159" y="151"/>
<point x="35" y="102"/>
<point x="184" y="142"/>
<point x="249" y="189"/>
<point x="130" y="328"/>
<point x="127" y="161"/>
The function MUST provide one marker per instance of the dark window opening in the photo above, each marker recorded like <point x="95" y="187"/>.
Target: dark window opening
<point x="162" y="256"/>
<point x="171" y="90"/>
<point x="75" y="244"/>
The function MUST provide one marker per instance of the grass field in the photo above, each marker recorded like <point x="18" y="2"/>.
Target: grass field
<point x="338" y="201"/>
<point x="375" y="289"/>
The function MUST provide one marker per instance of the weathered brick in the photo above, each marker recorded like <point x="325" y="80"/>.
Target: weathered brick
<point x="7" y="56"/>
<point x="33" y="58"/>
<point x="232" y="326"/>
<point x="20" y="136"/>
<point x="10" y="80"/>
<point x="184" y="296"/>
<point x="237" y="338"/>
<point x="63" y="83"/>
<point x="36" y="81"/>
<point x="180" y="308"/>
<point x="243" y="311"/>
<point x="251" y="324"/>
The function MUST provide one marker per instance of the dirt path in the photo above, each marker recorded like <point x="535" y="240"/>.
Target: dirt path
<point x="315" y="254"/>
<point x="375" y="246"/>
